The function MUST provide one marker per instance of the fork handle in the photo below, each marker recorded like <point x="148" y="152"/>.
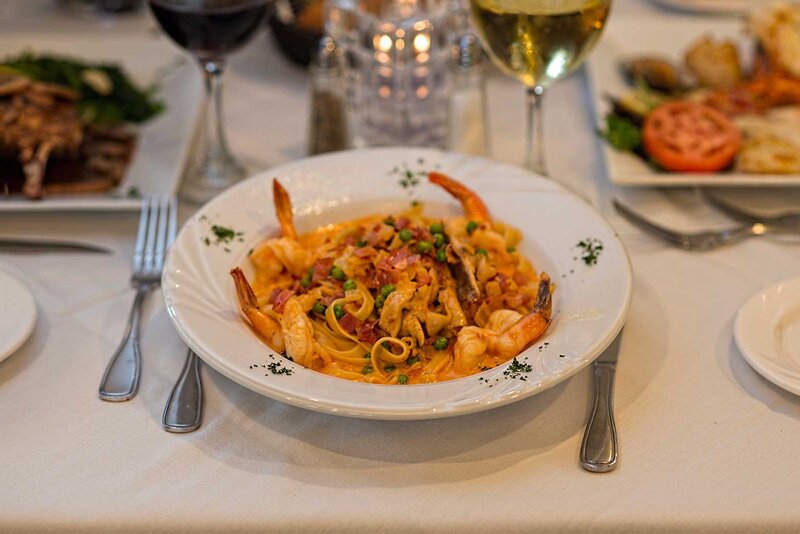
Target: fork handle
<point x="599" y="447"/>
<point x="184" y="409"/>
<point x="121" y="379"/>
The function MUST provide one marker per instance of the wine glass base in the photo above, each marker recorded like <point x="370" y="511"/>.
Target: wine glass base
<point x="209" y="179"/>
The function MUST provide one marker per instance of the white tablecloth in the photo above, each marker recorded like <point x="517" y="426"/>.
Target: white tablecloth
<point x="706" y="443"/>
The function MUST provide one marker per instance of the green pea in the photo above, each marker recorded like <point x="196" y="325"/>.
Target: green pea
<point x="471" y="227"/>
<point x="389" y="221"/>
<point x="305" y="281"/>
<point x="387" y="290"/>
<point x="379" y="300"/>
<point x="406" y="235"/>
<point x="349" y="284"/>
<point x="367" y="369"/>
<point x="424" y="246"/>
<point x="511" y="250"/>
<point x="319" y="308"/>
<point x="402" y="379"/>
<point x="441" y="255"/>
<point x="337" y="273"/>
<point x="412" y="360"/>
<point x="361" y="243"/>
<point x="482" y="251"/>
<point x="437" y="228"/>
<point x="338" y="311"/>
<point x="389" y="368"/>
<point x="438" y="240"/>
<point x="440" y="343"/>
<point x="367" y="355"/>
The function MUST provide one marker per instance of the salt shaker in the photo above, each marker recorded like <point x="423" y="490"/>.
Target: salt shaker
<point x="469" y="123"/>
<point x="328" y="129"/>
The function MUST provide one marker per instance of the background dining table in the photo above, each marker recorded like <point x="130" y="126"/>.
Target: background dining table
<point x="706" y="443"/>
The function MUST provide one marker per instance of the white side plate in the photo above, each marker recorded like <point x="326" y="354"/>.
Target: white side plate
<point x="767" y="332"/>
<point x="17" y="314"/>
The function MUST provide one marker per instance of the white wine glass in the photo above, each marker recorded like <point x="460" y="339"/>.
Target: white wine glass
<point x="538" y="42"/>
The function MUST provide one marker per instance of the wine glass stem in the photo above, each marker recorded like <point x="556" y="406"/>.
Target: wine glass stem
<point x="534" y="149"/>
<point x="217" y="153"/>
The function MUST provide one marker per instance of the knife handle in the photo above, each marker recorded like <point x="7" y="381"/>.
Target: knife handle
<point x="599" y="447"/>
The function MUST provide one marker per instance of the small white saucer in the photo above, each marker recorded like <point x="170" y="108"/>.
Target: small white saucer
<point x="767" y="331"/>
<point x="17" y="314"/>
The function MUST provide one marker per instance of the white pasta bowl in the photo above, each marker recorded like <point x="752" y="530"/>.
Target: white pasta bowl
<point x="589" y="303"/>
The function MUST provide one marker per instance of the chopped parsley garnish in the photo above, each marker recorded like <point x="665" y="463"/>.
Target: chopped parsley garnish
<point x="402" y="379"/>
<point x="222" y="233"/>
<point x="591" y="249"/>
<point x="621" y="133"/>
<point x="276" y="368"/>
<point x="517" y="368"/>
<point x="511" y="250"/>
<point x="482" y="252"/>
<point x="367" y="369"/>
<point x="389" y="368"/>
<point x="412" y="360"/>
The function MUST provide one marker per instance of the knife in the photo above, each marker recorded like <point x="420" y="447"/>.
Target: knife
<point x="45" y="245"/>
<point x="599" y="449"/>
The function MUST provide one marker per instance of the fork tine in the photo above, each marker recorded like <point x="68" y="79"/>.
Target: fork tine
<point x="161" y="243"/>
<point x="150" y="245"/>
<point x="648" y="226"/>
<point x="138" y="251"/>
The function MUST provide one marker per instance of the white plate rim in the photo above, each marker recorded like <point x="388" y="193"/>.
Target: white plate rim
<point x="342" y="407"/>
<point x="29" y="305"/>
<point x="750" y="347"/>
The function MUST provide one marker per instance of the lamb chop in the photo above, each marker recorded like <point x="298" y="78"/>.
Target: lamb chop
<point x="37" y="120"/>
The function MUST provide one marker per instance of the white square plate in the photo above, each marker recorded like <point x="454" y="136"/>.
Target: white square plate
<point x="666" y="37"/>
<point x="164" y="141"/>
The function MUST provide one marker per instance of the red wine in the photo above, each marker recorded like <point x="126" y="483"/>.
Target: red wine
<point x="209" y="28"/>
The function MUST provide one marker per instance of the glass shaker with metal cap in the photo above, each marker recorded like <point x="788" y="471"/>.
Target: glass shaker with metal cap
<point x="328" y="129"/>
<point x="469" y="121"/>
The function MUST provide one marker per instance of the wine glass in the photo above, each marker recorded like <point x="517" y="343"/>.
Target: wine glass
<point x="210" y="30"/>
<point x="538" y="42"/>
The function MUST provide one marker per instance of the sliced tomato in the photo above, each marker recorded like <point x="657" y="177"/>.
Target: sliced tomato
<point x="686" y="136"/>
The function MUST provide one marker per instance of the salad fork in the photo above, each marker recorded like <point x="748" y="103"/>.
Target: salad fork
<point x="696" y="241"/>
<point x="157" y="225"/>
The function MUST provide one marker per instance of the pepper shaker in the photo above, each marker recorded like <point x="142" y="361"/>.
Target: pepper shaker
<point x="469" y="121"/>
<point x="328" y="128"/>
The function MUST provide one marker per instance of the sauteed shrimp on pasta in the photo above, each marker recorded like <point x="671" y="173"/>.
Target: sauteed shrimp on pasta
<point x="400" y="298"/>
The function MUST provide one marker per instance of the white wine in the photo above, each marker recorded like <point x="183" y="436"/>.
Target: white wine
<point x="539" y="41"/>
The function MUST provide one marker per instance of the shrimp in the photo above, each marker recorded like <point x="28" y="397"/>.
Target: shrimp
<point x="273" y="255"/>
<point x="474" y="208"/>
<point x="265" y="325"/>
<point x="473" y="342"/>
<point x="283" y="210"/>
<point x="298" y="333"/>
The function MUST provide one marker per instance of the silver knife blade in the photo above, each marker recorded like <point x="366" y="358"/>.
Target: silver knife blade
<point x="19" y="244"/>
<point x="611" y="353"/>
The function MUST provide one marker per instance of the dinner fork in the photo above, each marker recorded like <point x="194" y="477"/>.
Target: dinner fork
<point x="787" y="221"/>
<point x="697" y="241"/>
<point x="157" y="225"/>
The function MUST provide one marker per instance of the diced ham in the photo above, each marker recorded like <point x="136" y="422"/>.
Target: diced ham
<point x="402" y="223"/>
<point x="503" y="281"/>
<point x="349" y="323"/>
<point x="322" y="269"/>
<point x="364" y="252"/>
<point x="520" y="279"/>
<point x="366" y="332"/>
<point x="424" y="279"/>
<point x="279" y="298"/>
<point x="327" y="300"/>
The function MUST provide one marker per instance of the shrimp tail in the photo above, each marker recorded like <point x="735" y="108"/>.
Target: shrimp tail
<point x="544" y="297"/>
<point x="265" y="325"/>
<point x="473" y="206"/>
<point x="283" y="209"/>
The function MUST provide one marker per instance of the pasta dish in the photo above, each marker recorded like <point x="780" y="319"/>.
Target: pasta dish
<point x="403" y="298"/>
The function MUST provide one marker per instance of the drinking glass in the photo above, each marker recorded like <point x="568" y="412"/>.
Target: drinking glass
<point x="538" y="42"/>
<point x="210" y="30"/>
